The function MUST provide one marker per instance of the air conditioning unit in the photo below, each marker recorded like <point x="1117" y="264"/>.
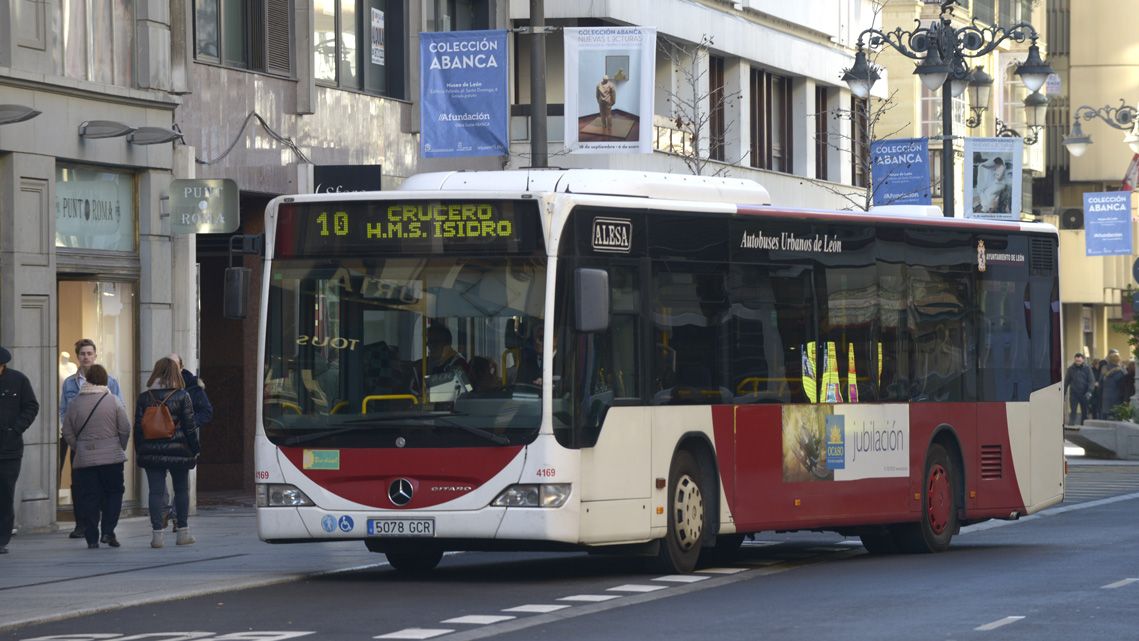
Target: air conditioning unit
<point x="1072" y="219"/>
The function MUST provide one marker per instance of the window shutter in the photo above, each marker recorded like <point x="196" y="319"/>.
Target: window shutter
<point x="278" y="37"/>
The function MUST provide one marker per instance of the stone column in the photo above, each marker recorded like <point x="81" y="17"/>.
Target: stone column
<point x="27" y="321"/>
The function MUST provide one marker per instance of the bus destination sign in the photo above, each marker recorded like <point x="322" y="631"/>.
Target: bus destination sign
<point x="366" y="226"/>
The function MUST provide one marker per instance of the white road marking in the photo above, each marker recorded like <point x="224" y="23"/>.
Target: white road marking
<point x="414" y="633"/>
<point x="723" y="570"/>
<point x="536" y="608"/>
<point x="480" y="619"/>
<point x="681" y="578"/>
<point x="632" y="587"/>
<point x="998" y="623"/>
<point x="1119" y="584"/>
<point x="590" y="598"/>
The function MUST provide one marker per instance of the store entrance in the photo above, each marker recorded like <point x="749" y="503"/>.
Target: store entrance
<point x="104" y="311"/>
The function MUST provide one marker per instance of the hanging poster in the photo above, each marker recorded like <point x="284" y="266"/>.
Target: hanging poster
<point x="463" y="94"/>
<point x="1107" y="223"/>
<point x="993" y="177"/>
<point x="899" y="170"/>
<point x="377" y="37"/>
<point x="609" y="78"/>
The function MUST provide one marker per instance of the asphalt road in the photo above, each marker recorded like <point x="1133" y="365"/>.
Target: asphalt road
<point x="1070" y="573"/>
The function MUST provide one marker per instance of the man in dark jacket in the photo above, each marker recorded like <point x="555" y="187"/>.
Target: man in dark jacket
<point x="1078" y="383"/>
<point x="18" y="408"/>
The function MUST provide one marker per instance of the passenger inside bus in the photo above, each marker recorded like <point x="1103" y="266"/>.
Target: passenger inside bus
<point x="484" y="375"/>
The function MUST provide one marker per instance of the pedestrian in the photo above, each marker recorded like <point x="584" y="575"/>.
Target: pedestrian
<point x="175" y="456"/>
<point x="97" y="429"/>
<point x="18" y="408"/>
<point x="1078" y="384"/>
<point x="1111" y="385"/>
<point x="203" y="413"/>
<point x="1129" y="383"/>
<point x="86" y="352"/>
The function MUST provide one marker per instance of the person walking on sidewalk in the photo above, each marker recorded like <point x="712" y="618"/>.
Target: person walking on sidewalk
<point x="97" y="429"/>
<point x="1078" y="384"/>
<point x="176" y="455"/>
<point x="18" y="408"/>
<point x="86" y="353"/>
<point x="203" y="414"/>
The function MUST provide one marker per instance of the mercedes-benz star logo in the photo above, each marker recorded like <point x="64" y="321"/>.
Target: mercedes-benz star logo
<point x="399" y="492"/>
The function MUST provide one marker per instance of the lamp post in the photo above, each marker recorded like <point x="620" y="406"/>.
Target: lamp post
<point x="1035" y="106"/>
<point x="1124" y="118"/>
<point x="942" y="50"/>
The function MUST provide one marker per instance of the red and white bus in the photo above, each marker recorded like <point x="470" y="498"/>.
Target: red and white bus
<point x="716" y="366"/>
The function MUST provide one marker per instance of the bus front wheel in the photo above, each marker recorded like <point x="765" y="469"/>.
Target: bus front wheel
<point x="939" y="506"/>
<point x="414" y="561"/>
<point x="680" y="549"/>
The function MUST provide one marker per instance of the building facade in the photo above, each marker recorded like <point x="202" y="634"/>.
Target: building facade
<point x="287" y="96"/>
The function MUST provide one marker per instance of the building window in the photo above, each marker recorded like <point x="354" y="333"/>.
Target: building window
<point x="246" y="34"/>
<point x="358" y="44"/>
<point x="1014" y="11"/>
<point x="457" y="15"/>
<point x="985" y="10"/>
<point x="716" y="108"/>
<point x="771" y="126"/>
<point x="931" y="114"/>
<point x="822" y="142"/>
<point x="859" y="142"/>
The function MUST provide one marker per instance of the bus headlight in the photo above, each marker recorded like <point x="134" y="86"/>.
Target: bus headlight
<point x="281" y="495"/>
<point x="534" y="495"/>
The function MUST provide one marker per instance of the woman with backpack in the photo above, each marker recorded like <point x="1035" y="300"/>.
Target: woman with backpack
<point x="166" y="441"/>
<point x="97" y="429"/>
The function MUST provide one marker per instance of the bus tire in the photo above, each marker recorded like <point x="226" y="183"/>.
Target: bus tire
<point x="879" y="542"/>
<point x="414" y="561"/>
<point x="939" y="506"/>
<point x="680" y="549"/>
<point x="726" y="548"/>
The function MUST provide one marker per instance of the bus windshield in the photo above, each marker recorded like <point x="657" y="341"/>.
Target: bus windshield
<point x="423" y="351"/>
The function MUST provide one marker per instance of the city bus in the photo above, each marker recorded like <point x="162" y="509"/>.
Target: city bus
<point x="647" y="364"/>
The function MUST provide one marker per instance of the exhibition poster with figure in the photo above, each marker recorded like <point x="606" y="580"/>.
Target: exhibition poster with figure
<point x="609" y="78"/>
<point x="463" y="94"/>
<point x="993" y="177"/>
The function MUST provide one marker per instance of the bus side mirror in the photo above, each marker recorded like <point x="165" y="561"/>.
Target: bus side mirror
<point x="235" y="297"/>
<point x="591" y="296"/>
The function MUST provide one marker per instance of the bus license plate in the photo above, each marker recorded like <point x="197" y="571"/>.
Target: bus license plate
<point x="401" y="527"/>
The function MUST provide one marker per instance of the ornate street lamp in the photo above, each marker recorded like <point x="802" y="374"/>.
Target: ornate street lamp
<point x="942" y="50"/>
<point x="1035" y="107"/>
<point x="1124" y="118"/>
<point x="980" y="90"/>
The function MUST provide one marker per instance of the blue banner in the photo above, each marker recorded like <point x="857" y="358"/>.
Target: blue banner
<point x="1107" y="223"/>
<point x="899" y="170"/>
<point x="463" y="100"/>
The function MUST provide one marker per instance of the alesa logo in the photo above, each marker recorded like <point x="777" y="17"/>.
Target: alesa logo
<point x="612" y="235"/>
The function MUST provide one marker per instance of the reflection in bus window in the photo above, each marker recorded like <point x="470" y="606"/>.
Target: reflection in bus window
<point x="690" y="315"/>
<point x="772" y="324"/>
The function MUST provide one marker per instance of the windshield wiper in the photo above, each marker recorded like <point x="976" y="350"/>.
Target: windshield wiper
<point x="313" y="436"/>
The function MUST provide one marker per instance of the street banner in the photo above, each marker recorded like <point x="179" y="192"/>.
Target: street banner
<point x="1131" y="178"/>
<point x="464" y="109"/>
<point x="609" y="77"/>
<point x="899" y="170"/>
<point x="993" y="177"/>
<point x="1107" y="223"/>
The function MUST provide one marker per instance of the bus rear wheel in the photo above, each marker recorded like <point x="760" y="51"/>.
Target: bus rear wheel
<point x="414" y="561"/>
<point x="680" y="549"/>
<point x="939" y="506"/>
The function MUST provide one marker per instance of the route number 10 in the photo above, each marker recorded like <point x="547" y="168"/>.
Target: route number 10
<point x="339" y="223"/>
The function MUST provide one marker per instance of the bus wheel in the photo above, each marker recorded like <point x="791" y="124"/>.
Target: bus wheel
<point x="725" y="550"/>
<point x="879" y="542"/>
<point x="681" y="546"/>
<point x="414" y="561"/>
<point x="939" y="506"/>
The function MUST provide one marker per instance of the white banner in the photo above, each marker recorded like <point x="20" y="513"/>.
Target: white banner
<point x="993" y="177"/>
<point x="609" y="77"/>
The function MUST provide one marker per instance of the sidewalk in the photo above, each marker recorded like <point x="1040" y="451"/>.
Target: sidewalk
<point x="46" y="577"/>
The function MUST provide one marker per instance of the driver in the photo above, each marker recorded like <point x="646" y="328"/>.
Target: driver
<point x="441" y="356"/>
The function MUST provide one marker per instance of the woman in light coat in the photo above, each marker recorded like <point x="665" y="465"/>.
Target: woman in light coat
<point x="97" y="428"/>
